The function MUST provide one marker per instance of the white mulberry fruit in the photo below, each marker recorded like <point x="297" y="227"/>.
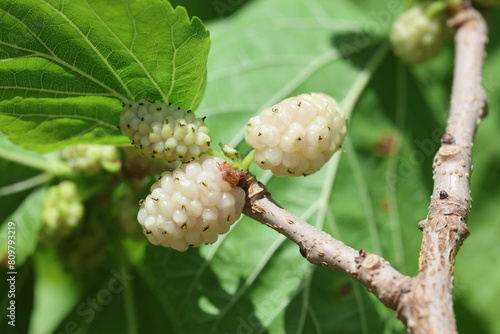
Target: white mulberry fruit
<point x="415" y="37"/>
<point x="62" y="210"/>
<point x="298" y="135"/>
<point x="91" y="159"/>
<point x="164" y="130"/>
<point x="191" y="205"/>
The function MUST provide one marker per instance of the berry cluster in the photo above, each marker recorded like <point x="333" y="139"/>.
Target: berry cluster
<point x="298" y="135"/>
<point x="415" y="36"/>
<point x="191" y="205"/>
<point x="164" y="130"/>
<point x="91" y="159"/>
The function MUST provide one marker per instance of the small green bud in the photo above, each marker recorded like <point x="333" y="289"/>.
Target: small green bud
<point x="230" y="152"/>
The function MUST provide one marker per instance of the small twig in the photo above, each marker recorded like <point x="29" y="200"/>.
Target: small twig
<point x="322" y="249"/>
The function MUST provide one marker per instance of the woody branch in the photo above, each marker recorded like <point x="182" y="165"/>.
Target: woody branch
<point x="428" y="308"/>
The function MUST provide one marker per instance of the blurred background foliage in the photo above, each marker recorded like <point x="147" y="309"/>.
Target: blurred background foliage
<point x="371" y="195"/>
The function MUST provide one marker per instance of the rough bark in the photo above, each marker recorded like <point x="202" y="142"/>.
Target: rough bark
<point x="321" y="249"/>
<point x="429" y="307"/>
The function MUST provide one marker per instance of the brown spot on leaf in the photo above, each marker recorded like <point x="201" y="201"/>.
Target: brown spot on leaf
<point x="387" y="145"/>
<point x="345" y="289"/>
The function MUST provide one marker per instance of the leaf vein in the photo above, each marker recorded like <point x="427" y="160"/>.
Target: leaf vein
<point x="80" y="117"/>
<point x="94" y="48"/>
<point x="44" y="90"/>
<point x="141" y="64"/>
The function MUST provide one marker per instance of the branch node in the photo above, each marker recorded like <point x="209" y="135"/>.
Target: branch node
<point x="449" y="151"/>
<point x="371" y="262"/>
<point x="362" y="255"/>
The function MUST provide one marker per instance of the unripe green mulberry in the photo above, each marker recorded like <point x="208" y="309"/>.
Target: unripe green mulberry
<point x="91" y="159"/>
<point x="416" y="37"/>
<point x="165" y="131"/>
<point x="298" y="135"/>
<point x="191" y="205"/>
<point x="62" y="210"/>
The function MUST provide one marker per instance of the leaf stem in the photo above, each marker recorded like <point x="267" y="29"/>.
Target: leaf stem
<point x="51" y="166"/>
<point x="26" y="184"/>
<point x="247" y="161"/>
<point x="216" y="153"/>
<point x="363" y="78"/>
<point x="434" y="9"/>
<point x="128" y="291"/>
<point x="132" y="327"/>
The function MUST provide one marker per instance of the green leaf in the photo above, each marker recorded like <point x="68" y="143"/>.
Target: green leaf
<point x="56" y="293"/>
<point x="16" y="154"/>
<point x="49" y="124"/>
<point x="120" y="295"/>
<point x="75" y="61"/>
<point x="19" y="173"/>
<point x="27" y="224"/>
<point x="24" y="280"/>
